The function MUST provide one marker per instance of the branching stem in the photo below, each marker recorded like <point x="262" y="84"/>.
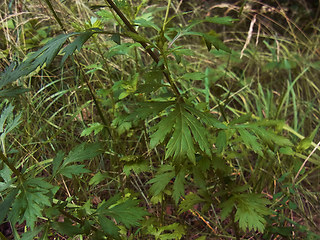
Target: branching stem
<point x="153" y="55"/>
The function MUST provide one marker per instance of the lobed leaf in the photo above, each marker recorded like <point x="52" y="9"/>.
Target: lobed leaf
<point x="251" y="209"/>
<point x="145" y="110"/>
<point x="67" y="228"/>
<point x="83" y="152"/>
<point x="178" y="186"/>
<point x="68" y="171"/>
<point x="250" y="141"/>
<point x="31" y="201"/>
<point x="44" y="56"/>
<point x="181" y="143"/>
<point x="93" y="127"/>
<point x="221" y="142"/>
<point x="6" y="204"/>
<point x="75" y="45"/>
<point x="188" y="203"/>
<point x="122" y="49"/>
<point x="128" y="213"/>
<point x="199" y="133"/>
<point x="205" y="117"/>
<point x="146" y="23"/>
<point x="162" y="129"/>
<point x="161" y="180"/>
<point x="13" y="92"/>
<point x="109" y="227"/>
<point x="268" y="135"/>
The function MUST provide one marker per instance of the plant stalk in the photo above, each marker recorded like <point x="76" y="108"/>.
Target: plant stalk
<point x="91" y="90"/>
<point x="153" y="55"/>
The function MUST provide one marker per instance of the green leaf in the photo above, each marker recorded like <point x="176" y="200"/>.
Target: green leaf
<point x="146" y="110"/>
<point x="162" y="129"/>
<point x="6" y="204"/>
<point x="269" y="136"/>
<point x="201" y="238"/>
<point x="105" y="14"/>
<point x="83" y="152"/>
<point x="30" y="235"/>
<point x="199" y="133"/>
<point x="177" y="231"/>
<point x="153" y="81"/>
<point x="145" y="23"/>
<point x="194" y="76"/>
<point x="306" y="142"/>
<point x="221" y="143"/>
<point x="286" y="151"/>
<point x="6" y="113"/>
<point x="106" y="204"/>
<point x="217" y="20"/>
<point x="122" y="49"/>
<point x="188" y="203"/>
<point x="98" y="178"/>
<point x="205" y="117"/>
<point x="13" y="92"/>
<point x="76" y="45"/>
<point x="178" y="186"/>
<point x="226" y="208"/>
<point x="57" y="162"/>
<point x="188" y="126"/>
<point x="93" y="127"/>
<point x="161" y="180"/>
<point x="5" y="174"/>
<point x="80" y="153"/>
<point x="137" y="167"/>
<point x="181" y="143"/>
<point x="8" y="121"/>
<point x="67" y="228"/>
<point x="34" y="196"/>
<point x="292" y="205"/>
<point x="128" y="213"/>
<point x="43" y="56"/>
<point x="251" y="209"/>
<point x="200" y="172"/>
<point x="216" y="42"/>
<point x="116" y="38"/>
<point x="242" y="119"/>
<point x="68" y="171"/>
<point x="250" y="141"/>
<point x="220" y="20"/>
<point x="109" y="227"/>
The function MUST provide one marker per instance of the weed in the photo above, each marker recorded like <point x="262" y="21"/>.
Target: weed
<point x="146" y="121"/>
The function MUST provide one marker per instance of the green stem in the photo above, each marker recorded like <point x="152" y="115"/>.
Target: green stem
<point x="166" y="16"/>
<point x="95" y="100"/>
<point x="91" y="90"/>
<point x="55" y="15"/>
<point x="153" y="55"/>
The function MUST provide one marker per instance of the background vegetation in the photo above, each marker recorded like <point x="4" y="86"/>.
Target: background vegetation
<point x="159" y="119"/>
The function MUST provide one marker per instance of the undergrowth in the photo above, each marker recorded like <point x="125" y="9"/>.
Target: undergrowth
<point x="159" y="120"/>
